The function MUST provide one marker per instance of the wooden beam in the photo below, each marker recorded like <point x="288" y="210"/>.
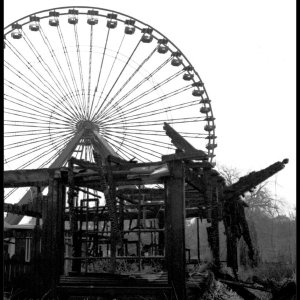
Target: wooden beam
<point x="53" y="233"/>
<point x="192" y="212"/>
<point x="175" y="228"/>
<point x="177" y="140"/>
<point x="40" y="177"/>
<point x="25" y="178"/>
<point x="23" y="210"/>
<point x="196" y="154"/>
<point x="251" y="180"/>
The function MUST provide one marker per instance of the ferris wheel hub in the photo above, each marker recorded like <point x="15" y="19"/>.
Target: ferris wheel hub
<point x="86" y="125"/>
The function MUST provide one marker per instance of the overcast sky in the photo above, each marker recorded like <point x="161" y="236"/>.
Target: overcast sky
<point x="245" y="52"/>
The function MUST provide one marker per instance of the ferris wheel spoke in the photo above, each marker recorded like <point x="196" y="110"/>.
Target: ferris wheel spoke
<point x="156" y="112"/>
<point x="118" y="77"/>
<point x="26" y="80"/>
<point x="113" y="125"/>
<point x="80" y="68"/>
<point x="108" y="76"/>
<point x="58" y="146"/>
<point x="43" y="63"/>
<point x="124" y="155"/>
<point x="20" y="103"/>
<point x="155" y="133"/>
<point x="39" y="110"/>
<point x="99" y="75"/>
<point x="34" y="71"/>
<point x="29" y="141"/>
<point x="19" y="113"/>
<point x="137" y="130"/>
<point x="76" y="99"/>
<point x="137" y="136"/>
<point x="54" y="156"/>
<point x="64" y="94"/>
<point x="90" y="71"/>
<point x="30" y="125"/>
<point x="35" y="101"/>
<point x="148" y="103"/>
<point x="23" y="133"/>
<point x="108" y="108"/>
<point x="130" y="78"/>
<point x="130" y="145"/>
<point x="142" y="141"/>
<point x="29" y="151"/>
<point x="27" y="115"/>
<point x="129" y="151"/>
<point x="154" y="88"/>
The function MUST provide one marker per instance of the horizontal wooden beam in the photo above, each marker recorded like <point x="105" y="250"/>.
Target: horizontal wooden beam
<point x="23" y="210"/>
<point x="23" y="178"/>
<point x="197" y="155"/>
<point x="192" y="212"/>
<point x="83" y="177"/>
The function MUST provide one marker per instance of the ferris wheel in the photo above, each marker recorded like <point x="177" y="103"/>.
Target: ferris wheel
<point x="73" y="73"/>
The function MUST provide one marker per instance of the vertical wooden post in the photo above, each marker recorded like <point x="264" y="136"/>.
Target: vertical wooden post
<point x="76" y="239"/>
<point x="53" y="233"/>
<point x="215" y="225"/>
<point x="211" y="195"/>
<point x="175" y="228"/>
<point x="161" y="235"/>
<point x="60" y="231"/>
<point x="37" y="228"/>
<point x="45" y="241"/>
<point x="198" y="241"/>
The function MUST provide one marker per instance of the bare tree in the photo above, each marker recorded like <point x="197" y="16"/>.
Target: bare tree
<point x="230" y="174"/>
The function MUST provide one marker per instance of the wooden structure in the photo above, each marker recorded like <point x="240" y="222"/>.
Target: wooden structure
<point x="80" y="236"/>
